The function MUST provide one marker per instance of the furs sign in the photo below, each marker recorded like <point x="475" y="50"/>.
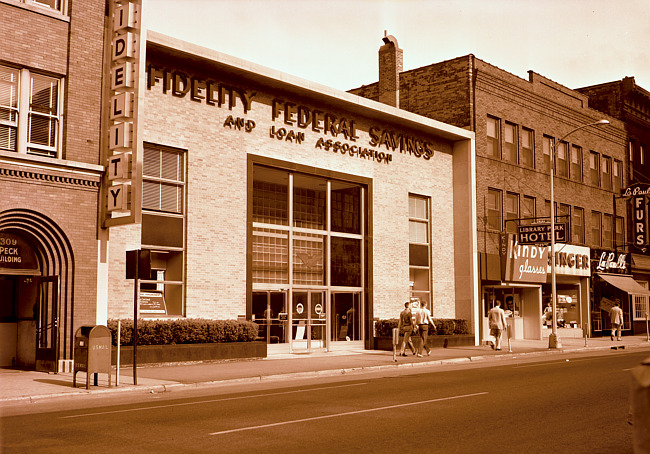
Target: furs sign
<point x="637" y="195"/>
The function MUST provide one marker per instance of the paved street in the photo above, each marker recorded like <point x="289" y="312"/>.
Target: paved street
<point x="555" y="403"/>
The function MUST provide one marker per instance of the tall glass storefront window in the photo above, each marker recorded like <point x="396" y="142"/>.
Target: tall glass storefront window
<point x="307" y="238"/>
<point x="346" y="262"/>
<point x="270" y="256"/>
<point x="308" y="259"/>
<point x="309" y="202"/>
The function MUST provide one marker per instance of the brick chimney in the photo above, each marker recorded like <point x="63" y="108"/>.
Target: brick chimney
<point x="391" y="63"/>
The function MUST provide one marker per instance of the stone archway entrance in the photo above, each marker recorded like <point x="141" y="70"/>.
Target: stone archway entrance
<point x="36" y="282"/>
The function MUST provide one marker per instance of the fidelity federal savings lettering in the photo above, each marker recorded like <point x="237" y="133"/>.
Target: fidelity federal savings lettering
<point x="303" y="117"/>
<point x="211" y="92"/>
<point x="394" y="141"/>
<point x="322" y="122"/>
<point x="214" y="93"/>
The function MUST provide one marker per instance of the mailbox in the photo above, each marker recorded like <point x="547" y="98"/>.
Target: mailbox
<point x="92" y="353"/>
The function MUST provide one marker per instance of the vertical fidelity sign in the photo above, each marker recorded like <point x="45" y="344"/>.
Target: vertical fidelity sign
<point x="123" y="163"/>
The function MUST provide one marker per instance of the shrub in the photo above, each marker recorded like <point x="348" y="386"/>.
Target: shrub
<point x="444" y="327"/>
<point x="184" y="331"/>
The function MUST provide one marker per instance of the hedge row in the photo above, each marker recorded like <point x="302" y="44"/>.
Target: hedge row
<point x="444" y="327"/>
<point x="184" y="331"/>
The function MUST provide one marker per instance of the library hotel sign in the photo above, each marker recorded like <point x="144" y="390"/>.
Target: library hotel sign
<point x="310" y="211"/>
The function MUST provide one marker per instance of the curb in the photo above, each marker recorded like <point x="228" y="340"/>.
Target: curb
<point x="165" y="387"/>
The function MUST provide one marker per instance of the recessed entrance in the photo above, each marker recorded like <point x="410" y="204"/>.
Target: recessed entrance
<point x="308" y="321"/>
<point x="36" y="291"/>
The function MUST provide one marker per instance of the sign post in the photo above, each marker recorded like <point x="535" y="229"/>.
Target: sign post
<point x="138" y="266"/>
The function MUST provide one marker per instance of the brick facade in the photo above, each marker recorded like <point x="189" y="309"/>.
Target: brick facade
<point x="465" y="91"/>
<point x="63" y="191"/>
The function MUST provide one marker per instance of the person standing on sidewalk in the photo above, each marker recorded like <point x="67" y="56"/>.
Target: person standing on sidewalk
<point x="497" y="323"/>
<point x="405" y="327"/>
<point x="616" y="317"/>
<point x="423" y="320"/>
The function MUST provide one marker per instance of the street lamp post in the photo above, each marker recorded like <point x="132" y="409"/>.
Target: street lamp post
<point x="553" y="340"/>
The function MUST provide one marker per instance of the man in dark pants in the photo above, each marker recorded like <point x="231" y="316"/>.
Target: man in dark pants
<point x="405" y="327"/>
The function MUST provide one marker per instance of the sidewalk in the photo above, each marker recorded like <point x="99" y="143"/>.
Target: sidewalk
<point x="18" y="386"/>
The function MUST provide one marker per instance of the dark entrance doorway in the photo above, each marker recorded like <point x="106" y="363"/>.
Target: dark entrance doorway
<point x="29" y="320"/>
<point x="47" y="324"/>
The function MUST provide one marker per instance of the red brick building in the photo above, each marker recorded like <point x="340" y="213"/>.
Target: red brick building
<point x="517" y="123"/>
<point x="50" y="99"/>
<point x="630" y="103"/>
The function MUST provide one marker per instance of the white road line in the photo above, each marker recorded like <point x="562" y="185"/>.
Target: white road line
<point x="211" y="401"/>
<point x="562" y="361"/>
<point x="347" y="413"/>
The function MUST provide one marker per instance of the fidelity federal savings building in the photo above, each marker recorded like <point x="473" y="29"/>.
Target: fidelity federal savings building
<point x="265" y="197"/>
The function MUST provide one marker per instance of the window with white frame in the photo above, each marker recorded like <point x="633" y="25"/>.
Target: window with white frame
<point x="608" y="225"/>
<point x="576" y="163"/>
<point x="594" y="168"/>
<point x="547" y="145"/>
<point x="527" y="158"/>
<point x="493" y="221"/>
<point x="617" y="176"/>
<point x="596" y="221"/>
<point x="563" y="213"/>
<point x="8" y="108"/>
<point x="630" y="148"/>
<point x="641" y="154"/>
<point x="607" y="172"/>
<point x="546" y="211"/>
<point x="493" y="137"/>
<point x="619" y="236"/>
<point x="510" y="141"/>
<point x="527" y="209"/>
<point x="30" y="112"/>
<point x="43" y="123"/>
<point x="562" y="164"/>
<point x="512" y="212"/>
<point x="420" y="247"/>
<point x="641" y="303"/>
<point x="578" y="225"/>
<point x="59" y="6"/>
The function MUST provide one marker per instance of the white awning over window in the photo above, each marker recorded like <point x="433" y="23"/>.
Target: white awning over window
<point x="625" y="283"/>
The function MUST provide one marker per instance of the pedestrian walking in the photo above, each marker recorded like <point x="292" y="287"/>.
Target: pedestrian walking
<point x="405" y="327"/>
<point x="423" y="320"/>
<point x="497" y="323"/>
<point x="616" y="317"/>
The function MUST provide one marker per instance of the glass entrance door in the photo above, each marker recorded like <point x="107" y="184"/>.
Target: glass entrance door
<point x="47" y="324"/>
<point x="308" y="320"/>
<point x="270" y="313"/>
<point x="346" y="316"/>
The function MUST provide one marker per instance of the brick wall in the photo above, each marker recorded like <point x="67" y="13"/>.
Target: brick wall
<point x="465" y="90"/>
<point x="64" y="191"/>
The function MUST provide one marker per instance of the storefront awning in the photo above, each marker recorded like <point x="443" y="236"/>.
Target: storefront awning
<point x="625" y="283"/>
